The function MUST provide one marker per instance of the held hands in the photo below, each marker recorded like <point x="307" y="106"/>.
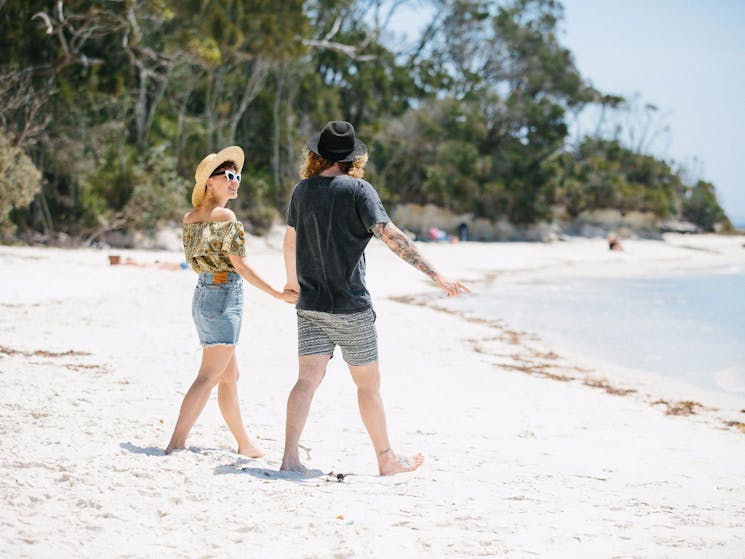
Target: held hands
<point x="452" y="287"/>
<point x="288" y="296"/>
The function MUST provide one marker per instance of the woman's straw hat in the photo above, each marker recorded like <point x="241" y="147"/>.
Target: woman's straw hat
<point x="208" y="165"/>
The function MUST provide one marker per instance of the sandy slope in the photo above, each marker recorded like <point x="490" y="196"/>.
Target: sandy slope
<point x="94" y="361"/>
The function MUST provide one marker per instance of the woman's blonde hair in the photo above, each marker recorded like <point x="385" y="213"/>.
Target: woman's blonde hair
<point x="314" y="165"/>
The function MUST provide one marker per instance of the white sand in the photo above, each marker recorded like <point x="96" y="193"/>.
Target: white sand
<point x="518" y="465"/>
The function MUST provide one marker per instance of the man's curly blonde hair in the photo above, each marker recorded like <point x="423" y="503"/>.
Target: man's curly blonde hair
<point x="314" y="165"/>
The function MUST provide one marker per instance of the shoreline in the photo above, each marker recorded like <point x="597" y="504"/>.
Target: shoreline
<point x="673" y="396"/>
<point x="532" y="355"/>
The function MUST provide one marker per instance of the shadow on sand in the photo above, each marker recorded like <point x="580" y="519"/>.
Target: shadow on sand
<point x="241" y="467"/>
<point x="149" y="450"/>
<point x="156" y="451"/>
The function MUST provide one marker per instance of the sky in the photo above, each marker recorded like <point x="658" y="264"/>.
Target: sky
<point x="688" y="58"/>
<point x="685" y="56"/>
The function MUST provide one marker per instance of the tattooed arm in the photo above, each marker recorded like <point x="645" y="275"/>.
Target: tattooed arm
<point x="407" y="251"/>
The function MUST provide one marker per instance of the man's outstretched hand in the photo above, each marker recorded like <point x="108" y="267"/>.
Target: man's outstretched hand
<point x="452" y="287"/>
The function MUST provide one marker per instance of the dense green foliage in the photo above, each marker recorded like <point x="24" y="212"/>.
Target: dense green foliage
<point x="106" y="107"/>
<point x="20" y="181"/>
<point x="700" y="206"/>
<point x="603" y="174"/>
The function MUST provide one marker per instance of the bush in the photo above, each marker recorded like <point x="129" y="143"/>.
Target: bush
<point x="255" y="203"/>
<point x="125" y="190"/>
<point x="700" y="206"/>
<point x="20" y="181"/>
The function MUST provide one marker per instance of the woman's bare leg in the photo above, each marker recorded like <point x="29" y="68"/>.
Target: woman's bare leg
<point x="214" y="361"/>
<point x="227" y="398"/>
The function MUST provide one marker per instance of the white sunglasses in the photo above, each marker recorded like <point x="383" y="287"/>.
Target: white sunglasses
<point x="230" y="175"/>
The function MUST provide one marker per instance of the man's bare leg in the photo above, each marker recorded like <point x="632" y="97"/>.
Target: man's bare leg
<point x="214" y="361"/>
<point x="367" y="379"/>
<point x="311" y="371"/>
<point x="227" y="399"/>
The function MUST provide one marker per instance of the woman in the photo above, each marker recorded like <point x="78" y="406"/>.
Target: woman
<point x="214" y="246"/>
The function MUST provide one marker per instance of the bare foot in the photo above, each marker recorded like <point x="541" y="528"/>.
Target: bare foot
<point x="389" y="464"/>
<point x="251" y="450"/>
<point x="293" y="466"/>
<point x="173" y="447"/>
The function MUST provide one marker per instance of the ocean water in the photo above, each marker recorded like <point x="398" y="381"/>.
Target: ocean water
<point x="690" y="327"/>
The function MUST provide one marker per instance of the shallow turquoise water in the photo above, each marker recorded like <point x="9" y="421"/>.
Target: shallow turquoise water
<point x="691" y="327"/>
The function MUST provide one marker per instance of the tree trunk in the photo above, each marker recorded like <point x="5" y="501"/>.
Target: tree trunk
<point x="253" y="87"/>
<point x="277" y="127"/>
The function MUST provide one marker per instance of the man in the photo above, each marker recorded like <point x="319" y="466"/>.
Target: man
<point x="332" y="216"/>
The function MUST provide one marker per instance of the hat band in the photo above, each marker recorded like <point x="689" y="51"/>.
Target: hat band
<point x="340" y="149"/>
<point x="337" y="149"/>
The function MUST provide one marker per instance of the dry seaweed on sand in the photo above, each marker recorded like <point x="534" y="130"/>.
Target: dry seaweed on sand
<point x="684" y="407"/>
<point x="605" y="385"/>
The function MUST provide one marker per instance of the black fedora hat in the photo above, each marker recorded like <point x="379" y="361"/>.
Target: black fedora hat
<point x="337" y="142"/>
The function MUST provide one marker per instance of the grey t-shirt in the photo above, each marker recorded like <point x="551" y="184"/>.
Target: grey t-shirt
<point x="333" y="217"/>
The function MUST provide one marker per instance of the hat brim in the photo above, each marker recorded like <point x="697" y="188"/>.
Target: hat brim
<point x="208" y="165"/>
<point x="358" y="151"/>
<point x="231" y="153"/>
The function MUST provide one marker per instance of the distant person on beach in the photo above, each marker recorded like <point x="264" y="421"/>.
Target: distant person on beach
<point x="215" y="247"/>
<point x="614" y="243"/>
<point x="332" y="216"/>
<point x="115" y="260"/>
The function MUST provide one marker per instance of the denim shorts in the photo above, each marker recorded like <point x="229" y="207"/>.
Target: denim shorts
<point x="217" y="308"/>
<point x="318" y="333"/>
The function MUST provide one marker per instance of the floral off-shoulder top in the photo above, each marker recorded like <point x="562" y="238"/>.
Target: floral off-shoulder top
<point x="207" y="245"/>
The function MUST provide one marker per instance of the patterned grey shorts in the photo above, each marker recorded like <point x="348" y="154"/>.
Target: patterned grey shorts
<point x="318" y="333"/>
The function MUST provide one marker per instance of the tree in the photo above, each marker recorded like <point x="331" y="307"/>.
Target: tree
<point x="509" y="84"/>
<point x="700" y="206"/>
<point x="109" y="98"/>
